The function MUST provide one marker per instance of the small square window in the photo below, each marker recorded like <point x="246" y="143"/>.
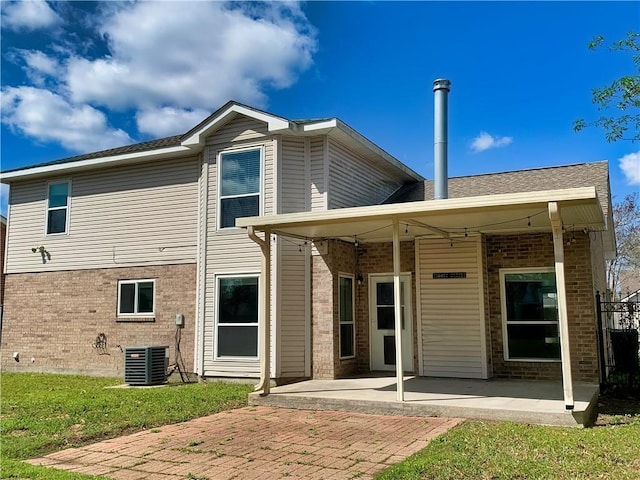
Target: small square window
<point x="136" y="298"/>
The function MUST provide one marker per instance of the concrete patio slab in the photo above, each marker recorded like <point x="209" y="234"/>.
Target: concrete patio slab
<point x="519" y="401"/>
<point x="258" y="443"/>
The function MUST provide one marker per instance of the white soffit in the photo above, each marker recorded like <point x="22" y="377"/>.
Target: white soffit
<point x="526" y="211"/>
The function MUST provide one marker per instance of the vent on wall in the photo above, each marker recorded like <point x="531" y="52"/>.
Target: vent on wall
<point x="146" y="365"/>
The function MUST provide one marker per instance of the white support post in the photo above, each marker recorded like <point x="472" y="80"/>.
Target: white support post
<point x="563" y="321"/>
<point x="397" y="311"/>
<point x="264" y="320"/>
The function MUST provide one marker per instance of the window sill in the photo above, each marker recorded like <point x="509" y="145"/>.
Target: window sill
<point x="534" y="360"/>
<point x="135" y="319"/>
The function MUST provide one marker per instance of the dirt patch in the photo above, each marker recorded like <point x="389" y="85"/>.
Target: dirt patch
<point x="617" y="411"/>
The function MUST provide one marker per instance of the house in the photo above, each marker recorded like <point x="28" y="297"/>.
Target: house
<point x="300" y="249"/>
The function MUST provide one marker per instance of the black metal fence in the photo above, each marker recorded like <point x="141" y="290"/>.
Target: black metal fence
<point x="619" y="345"/>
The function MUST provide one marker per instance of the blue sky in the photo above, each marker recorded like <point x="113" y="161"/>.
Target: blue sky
<point x="79" y="77"/>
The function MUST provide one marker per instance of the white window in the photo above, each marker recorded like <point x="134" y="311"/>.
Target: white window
<point x="136" y="298"/>
<point x="530" y="314"/>
<point x="346" y="309"/>
<point x="57" y="207"/>
<point x="239" y="185"/>
<point x="237" y="317"/>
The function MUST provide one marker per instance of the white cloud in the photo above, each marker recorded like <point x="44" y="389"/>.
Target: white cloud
<point x="484" y="141"/>
<point x="166" y="121"/>
<point x="4" y="199"/>
<point x="46" y="116"/>
<point x="170" y="64"/>
<point x="630" y="166"/>
<point x="39" y="66"/>
<point x="192" y="55"/>
<point x="28" y="15"/>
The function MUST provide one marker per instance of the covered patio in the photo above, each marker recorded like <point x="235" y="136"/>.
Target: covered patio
<point x="554" y="212"/>
<point x="507" y="400"/>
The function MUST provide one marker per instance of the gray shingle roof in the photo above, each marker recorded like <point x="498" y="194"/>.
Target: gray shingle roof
<point x="134" y="148"/>
<point x="594" y="174"/>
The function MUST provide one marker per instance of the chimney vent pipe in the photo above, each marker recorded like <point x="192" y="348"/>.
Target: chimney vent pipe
<point x="441" y="88"/>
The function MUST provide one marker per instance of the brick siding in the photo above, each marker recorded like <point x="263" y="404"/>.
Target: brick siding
<point x="342" y="258"/>
<point x="53" y="319"/>
<point x="536" y="250"/>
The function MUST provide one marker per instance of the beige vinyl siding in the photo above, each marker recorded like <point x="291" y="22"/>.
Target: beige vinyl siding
<point x="318" y="180"/>
<point x="354" y="181"/>
<point x="134" y="215"/>
<point x="292" y="288"/>
<point x="231" y="251"/>
<point x="452" y="310"/>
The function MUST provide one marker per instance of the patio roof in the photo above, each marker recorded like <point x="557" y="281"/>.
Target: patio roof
<point x="450" y="218"/>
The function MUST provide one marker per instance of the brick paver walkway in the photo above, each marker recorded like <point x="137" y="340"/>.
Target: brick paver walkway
<point x="258" y="443"/>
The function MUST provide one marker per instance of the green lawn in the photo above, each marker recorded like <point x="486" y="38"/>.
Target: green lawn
<point x="44" y="413"/>
<point x="502" y="450"/>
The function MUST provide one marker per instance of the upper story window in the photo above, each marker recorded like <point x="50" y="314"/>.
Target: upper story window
<point x="530" y="314"/>
<point x="239" y="185"/>
<point x="58" y="207"/>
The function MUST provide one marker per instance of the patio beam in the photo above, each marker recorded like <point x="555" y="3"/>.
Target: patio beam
<point x="439" y="231"/>
<point x="563" y="321"/>
<point x="264" y="320"/>
<point x="397" y="310"/>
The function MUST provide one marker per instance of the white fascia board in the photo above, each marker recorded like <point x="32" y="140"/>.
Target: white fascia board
<point x="324" y="125"/>
<point x="59" y="168"/>
<point x="347" y="130"/>
<point x="407" y="210"/>
<point x="274" y="123"/>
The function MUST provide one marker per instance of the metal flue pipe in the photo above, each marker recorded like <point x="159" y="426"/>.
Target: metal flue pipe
<point x="441" y="88"/>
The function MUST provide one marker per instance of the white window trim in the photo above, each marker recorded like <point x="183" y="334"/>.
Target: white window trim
<point x="216" y="316"/>
<point x="67" y="208"/>
<point x="135" y="299"/>
<point x="503" y="305"/>
<point x="353" y="315"/>
<point x="261" y="149"/>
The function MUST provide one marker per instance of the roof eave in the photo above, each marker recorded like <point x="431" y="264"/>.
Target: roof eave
<point x="356" y="216"/>
<point x="64" y="168"/>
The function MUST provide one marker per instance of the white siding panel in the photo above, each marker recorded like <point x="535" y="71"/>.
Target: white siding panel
<point x="354" y="181"/>
<point x="318" y="183"/>
<point x="231" y="250"/>
<point x="291" y="269"/>
<point x="451" y="309"/>
<point x="133" y="215"/>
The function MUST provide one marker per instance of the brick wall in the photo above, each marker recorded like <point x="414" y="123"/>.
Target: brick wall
<point x="342" y="258"/>
<point x="53" y="318"/>
<point x="536" y="250"/>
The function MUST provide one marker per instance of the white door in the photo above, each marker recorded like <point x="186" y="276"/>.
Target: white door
<point x="382" y="322"/>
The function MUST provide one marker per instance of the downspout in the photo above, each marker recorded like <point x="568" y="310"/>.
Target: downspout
<point x="440" y="137"/>
<point x="265" y="310"/>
